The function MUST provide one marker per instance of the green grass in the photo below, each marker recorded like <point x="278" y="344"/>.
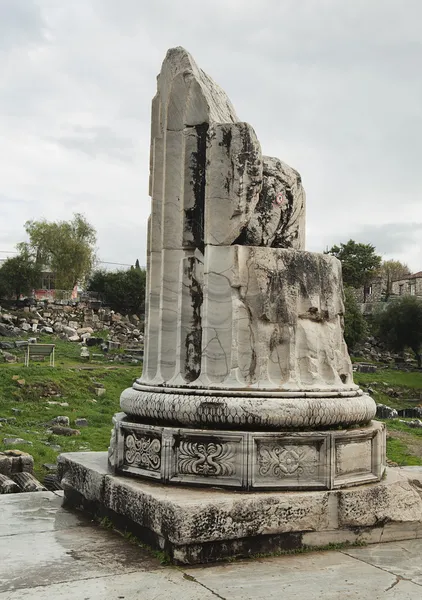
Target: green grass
<point x="411" y="381"/>
<point x="407" y="384"/>
<point x="409" y="387"/>
<point x="398" y="452"/>
<point x="69" y="382"/>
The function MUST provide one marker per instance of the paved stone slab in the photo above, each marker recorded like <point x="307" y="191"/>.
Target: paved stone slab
<point x="36" y="512"/>
<point x="159" y="585"/>
<point x="320" y="576"/>
<point x="402" y="558"/>
<point x="34" y="559"/>
<point x="72" y="559"/>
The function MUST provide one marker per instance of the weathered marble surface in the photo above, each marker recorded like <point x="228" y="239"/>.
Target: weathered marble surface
<point x="211" y="190"/>
<point x="249" y="460"/>
<point x="200" y="525"/>
<point x="278" y="220"/>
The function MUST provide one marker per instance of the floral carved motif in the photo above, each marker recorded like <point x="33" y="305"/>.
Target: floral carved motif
<point x="287" y="461"/>
<point x="212" y="459"/>
<point x="143" y="452"/>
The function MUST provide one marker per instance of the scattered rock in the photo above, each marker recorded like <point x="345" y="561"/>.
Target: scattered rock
<point x="14" y="441"/>
<point x="6" y="346"/>
<point x="417" y="423"/>
<point x="54" y="447"/>
<point x="28" y="483"/>
<point x="81" y="422"/>
<point x="100" y="391"/>
<point x="15" y="461"/>
<point x="84" y="352"/>
<point x="47" y="330"/>
<point x="61" y="420"/>
<point x="8" y="331"/>
<point x="80" y="322"/>
<point x="365" y="368"/>
<point x="7" y="485"/>
<point x="84" y="330"/>
<point x="52" y="483"/>
<point x="69" y="331"/>
<point x="410" y="413"/>
<point x="51" y="467"/>
<point x="386" y="412"/>
<point x="64" y="431"/>
<point x="10" y="358"/>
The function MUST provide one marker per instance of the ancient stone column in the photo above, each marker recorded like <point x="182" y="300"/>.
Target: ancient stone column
<point x="246" y="380"/>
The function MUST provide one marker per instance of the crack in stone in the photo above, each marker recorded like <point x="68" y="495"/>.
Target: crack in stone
<point x="390" y="587"/>
<point x="194" y="580"/>
<point x="385" y="570"/>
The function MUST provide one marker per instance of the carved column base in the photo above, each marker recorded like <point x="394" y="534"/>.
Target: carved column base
<point x="248" y="460"/>
<point x="251" y="409"/>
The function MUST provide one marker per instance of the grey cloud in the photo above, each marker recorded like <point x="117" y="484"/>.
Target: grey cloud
<point x="21" y="24"/>
<point x="331" y="88"/>
<point x="389" y="238"/>
<point x="98" y="141"/>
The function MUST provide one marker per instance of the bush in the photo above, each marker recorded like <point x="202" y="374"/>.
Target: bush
<point x="355" y="327"/>
<point x="400" y="325"/>
<point x="123" y="291"/>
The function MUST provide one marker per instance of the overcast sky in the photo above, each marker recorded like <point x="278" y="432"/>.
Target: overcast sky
<point x="331" y="87"/>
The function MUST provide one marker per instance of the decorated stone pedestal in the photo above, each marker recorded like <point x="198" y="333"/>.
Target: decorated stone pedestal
<point x="247" y="383"/>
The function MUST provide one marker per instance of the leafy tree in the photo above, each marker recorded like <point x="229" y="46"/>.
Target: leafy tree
<point x="390" y="271"/>
<point x="355" y="327"/>
<point x="359" y="263"/>
<point x="66" y="247"/>
<point x="123" y="291"/>
<point x="19" y="275"/>
<point x="400" y="325"/>
<point x="137" y="265"/>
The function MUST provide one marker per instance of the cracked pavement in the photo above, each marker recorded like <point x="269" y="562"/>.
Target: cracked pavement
<point x="49" y="552"/>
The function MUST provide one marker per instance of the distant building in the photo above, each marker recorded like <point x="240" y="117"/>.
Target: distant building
<point x="411" y="285"/>
<point x="375" y="291"/>
<point x="48" y="291"/>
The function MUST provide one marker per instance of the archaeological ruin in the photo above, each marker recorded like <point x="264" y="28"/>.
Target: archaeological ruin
<point x="245" y="432"/>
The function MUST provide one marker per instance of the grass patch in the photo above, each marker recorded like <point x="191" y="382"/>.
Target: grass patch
<point x="408" y="386"/>
<point x="398" y="452"/>
<point x="411" y="381"/>
<point x="28" y="405"/>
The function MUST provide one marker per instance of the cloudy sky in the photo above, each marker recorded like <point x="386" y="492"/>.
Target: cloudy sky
<point x="332" y="87"/>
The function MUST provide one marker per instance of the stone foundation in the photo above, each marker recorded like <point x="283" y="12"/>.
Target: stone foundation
<point x="203" y="525"/>
<point x="249" y="460"/>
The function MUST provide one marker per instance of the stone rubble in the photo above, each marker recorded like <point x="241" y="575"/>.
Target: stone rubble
<point x="79" y="324"/>
<point x="16" y="473"/>
<point x="372" y="349"/>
